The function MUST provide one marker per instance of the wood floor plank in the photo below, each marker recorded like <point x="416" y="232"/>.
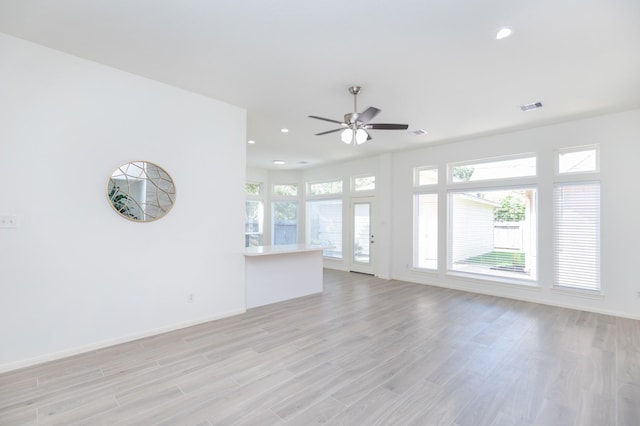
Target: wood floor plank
<point x="319" y="414"/>
<point x="367" y="409"/>
<point x="260" y="418"/>
<point x="628" y="407"/>
<point x="365" y="351"/>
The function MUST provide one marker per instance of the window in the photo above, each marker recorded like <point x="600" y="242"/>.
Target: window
<point x="493" y="232"/>
<point x="323" y="188"/>
<point x="285" y="222"/>
<point x="254" y="215"/>
<point x="284" y="214"/>
<point x="253" y="222"/>
<point x="493" y="228"/>
<point x="494" y="169"/>
<point x="364" y="183"/>
<point x="577" y="160"/>
<point x="324" y="225"/>
<point x="577" y="235"/>
<point x="253" y="188"/>
<point x="285" y="190"/>
<point x="425" y="176"/>
<point x="426" y="231"/>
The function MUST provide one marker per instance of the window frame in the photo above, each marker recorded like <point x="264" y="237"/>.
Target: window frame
<point x="416" y="176"/>
<point x="260" y="189"/>
<point x="577" y="178"/>
<point x="483" y="182"/>
<point x="285" y="196"/>
<point x="259" y="197"/>
<point x="310" y="195"/>
<point x="526" y="184"/>
<point x="308" y="227"/>
<point x="279" y="198"/>
<point x="416" y="217"/>
<point x="296" y="202"/>
<point x="578" y="174"/>
<point x="354" y="189"/>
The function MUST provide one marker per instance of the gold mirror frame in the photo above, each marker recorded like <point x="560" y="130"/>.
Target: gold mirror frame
<point x="141" y="191"/>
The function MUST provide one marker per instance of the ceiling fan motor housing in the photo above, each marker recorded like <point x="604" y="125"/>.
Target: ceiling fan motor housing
<point x="351" y="118"/>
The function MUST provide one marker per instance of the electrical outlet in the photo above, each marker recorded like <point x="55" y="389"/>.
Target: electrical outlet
<point x="190" y="298"/>
<point x="8" y="222"/>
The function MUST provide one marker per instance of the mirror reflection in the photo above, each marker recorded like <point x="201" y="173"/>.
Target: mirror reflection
<point x="141" y="191"/>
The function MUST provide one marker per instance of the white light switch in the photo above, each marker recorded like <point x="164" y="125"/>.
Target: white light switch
<point x="8" y="221"/>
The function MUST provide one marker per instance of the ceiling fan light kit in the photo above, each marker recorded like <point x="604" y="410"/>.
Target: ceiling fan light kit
<point x="358" y="137"/>
<point x="355" y="125"/>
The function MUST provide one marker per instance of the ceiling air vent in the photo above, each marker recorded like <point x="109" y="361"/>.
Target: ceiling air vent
<point x="417" y="132"/>
<point x="530" y="107"/>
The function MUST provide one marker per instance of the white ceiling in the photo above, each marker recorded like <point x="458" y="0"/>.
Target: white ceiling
<point x="433" y="64"/>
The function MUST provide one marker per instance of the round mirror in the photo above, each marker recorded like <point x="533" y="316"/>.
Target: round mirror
<point x="141" y="191"/>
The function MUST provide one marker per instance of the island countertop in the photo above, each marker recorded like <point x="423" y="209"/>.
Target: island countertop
<point x="282" y="249"/>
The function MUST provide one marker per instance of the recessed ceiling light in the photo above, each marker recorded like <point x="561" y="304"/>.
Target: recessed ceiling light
<point x="284" y="130"/>
<point x="503" y="33"/>
<point x="530" y="107"/>
<point x="279" y="162"/>
<point x="251" y="142"/>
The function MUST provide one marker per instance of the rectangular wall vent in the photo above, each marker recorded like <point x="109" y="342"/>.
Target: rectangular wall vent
<point x="530" y="107"/>
<point x="417" y="132"/>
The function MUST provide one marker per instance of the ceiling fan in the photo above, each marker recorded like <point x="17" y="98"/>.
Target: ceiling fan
<point x="355" y="125"/>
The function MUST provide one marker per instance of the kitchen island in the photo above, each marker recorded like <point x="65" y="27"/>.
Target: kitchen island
<point x="282" y="272"/>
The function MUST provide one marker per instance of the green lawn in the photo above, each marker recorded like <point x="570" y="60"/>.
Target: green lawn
<point x="499" y="260"/>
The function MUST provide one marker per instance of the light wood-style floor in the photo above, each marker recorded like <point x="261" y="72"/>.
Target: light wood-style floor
<point x="366" y="352"/>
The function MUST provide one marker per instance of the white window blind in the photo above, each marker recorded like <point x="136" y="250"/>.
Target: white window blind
<point x="577" y="235"/>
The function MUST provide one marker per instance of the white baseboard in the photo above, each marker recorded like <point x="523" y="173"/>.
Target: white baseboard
<point x="111" y="342"/>
<point x="497" y="293"/>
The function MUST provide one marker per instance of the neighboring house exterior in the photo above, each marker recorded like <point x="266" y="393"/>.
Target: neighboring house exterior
<point x="473" y="221"/>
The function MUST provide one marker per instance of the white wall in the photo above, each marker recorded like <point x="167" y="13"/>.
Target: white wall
<point x="619" y="138"/>
<point x="75" y="276"/>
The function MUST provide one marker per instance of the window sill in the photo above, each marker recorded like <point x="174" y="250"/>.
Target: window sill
<point x="424" y="270"/>
<point x="492" y="280"/>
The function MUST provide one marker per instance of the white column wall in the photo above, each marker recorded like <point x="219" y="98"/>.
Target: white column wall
<point x="74" y="276"/>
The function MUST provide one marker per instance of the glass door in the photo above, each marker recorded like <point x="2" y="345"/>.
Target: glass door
<point x="363" y="236"/>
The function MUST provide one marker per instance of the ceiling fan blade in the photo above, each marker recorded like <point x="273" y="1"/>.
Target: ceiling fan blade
<point x="329" y="131"/>
<point x="368" y="114"/>
<point x="326" y="119"/>
<point x="383" y="126"/>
